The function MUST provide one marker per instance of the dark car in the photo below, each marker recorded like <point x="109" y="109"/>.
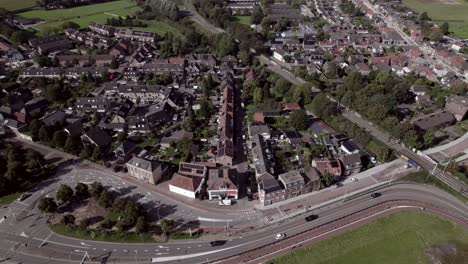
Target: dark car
<point x="375" y="195"/>
<point x="216" y="243"/>
<point x="311" y="218"/>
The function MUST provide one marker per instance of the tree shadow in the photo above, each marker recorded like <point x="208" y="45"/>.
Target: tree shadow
<point x="157" y="211"/>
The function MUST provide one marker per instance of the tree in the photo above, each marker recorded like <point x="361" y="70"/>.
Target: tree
<point x="34" y="159"/>
<point x="436" y="35"/>
<point x="34" y="127"/>
<point x="84" y="223"/>
<point x="424" y="17"/>
<point x="298" y="120"/>
<point x="73" y="145"/>
<point x="444" y="28"/>
<point x="106" y="199"/>
<point x="188" y="124"/>
<point x="47" y="205"/>
<point x="257" y="15"/>
<point x="166" y="225"/>
<point x="21" y="36"/>
<point x="64" y="193"/>
<point x="70" y="24"/>
<point x="97" y="153"/>
<point x="206" y="109"/>
<point x="44" y="134"/>
<point x="96" y="189"/>
<point x="68" y="220"/>
<point x="327" y="179"/>
<point x="81" y="190"/>
<point x="87" y="151"/>
<point x="59" y="139"/>
<point x="119" y="205"/>
<point x="141" y="225"/>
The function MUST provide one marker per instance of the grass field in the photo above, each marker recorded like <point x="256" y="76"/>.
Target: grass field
<point x="396" y="239"/>
<point x="13" y="5"/>
<point x="98" y="13"/>
<point x="243" y="20"/>
<point x="455" y="12"/>
<point x="8" y="199"/>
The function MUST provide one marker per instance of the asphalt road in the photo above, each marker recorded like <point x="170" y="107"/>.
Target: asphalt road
<point x="57" y="249"/>
<point x="451" y="181"/>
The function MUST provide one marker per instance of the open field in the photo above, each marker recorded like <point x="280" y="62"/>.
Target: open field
<point x="243" y="20"/>
<point x="455" y="12"/>
<point x="13" y="5"/>
<point x="77" y="12"/>
<point x="399" y="238"/>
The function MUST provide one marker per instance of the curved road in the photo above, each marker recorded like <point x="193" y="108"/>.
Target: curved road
<point x="58" y="249"/>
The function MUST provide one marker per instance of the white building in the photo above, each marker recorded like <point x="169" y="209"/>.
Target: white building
<point x="188" y="186"/>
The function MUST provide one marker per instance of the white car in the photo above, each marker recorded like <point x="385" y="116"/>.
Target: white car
<point x="354" y="179"/>
<point x="280" y="236"/>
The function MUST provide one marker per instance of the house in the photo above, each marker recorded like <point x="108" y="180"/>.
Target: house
<point x="225" y="150"/>
<point x="435" y="120"/>
<point x="92" y="104"/>
<point x="318" y="127"/>
<point x="280" y="55"/>
<point x="351" y="164"/>
<point x="192" y="169"/>
<point x="328" y="166"/>
<point x="50" y="43"/>
<point x="269" y="190"/>
<point x="223" y="184"/>
<point x="294" y="183"/>
<point x="363" y="68"/>
<point x="126" y="150"/>
<point x="55" y="117"/>
<point x="263" y="157"/>
<point x="289" y="107"/>
<point x="31" y="109"/>
<point x="149" y="171"/>
<point x="188" y="186"/>
<point x="145" y="118"/>
<point x="256" y="128"/>
<point x="96" y="136"/>
<point x="457" y="106"/>
<point x="419" y="90"/>
<point x="349" y="147"/>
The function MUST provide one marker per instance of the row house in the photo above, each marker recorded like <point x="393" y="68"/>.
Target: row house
<point x="225" y="151"/>
<point x="136" y="92"/>
<point x="92" y="104"/>
<point x="84" y="60"/>
<point x="144" y="119"/>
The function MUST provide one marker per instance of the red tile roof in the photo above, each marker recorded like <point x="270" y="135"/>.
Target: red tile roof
<point x="189" y="183"/>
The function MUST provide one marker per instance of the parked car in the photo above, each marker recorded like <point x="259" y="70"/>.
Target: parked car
<point x="280" y="236"/>
<point x="23" y="197"/>
<point x="375" y="195"/>
<point x="225" y="202"/>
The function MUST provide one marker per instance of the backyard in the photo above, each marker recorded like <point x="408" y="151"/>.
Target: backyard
<point x="455" y="12"/>
<point x="406" y="237"/>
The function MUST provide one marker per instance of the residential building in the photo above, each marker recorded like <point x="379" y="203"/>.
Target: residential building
<point x="188" y="186"/>
<point x="457" y="106"/>
<point x="223" y="184"/>
<point x="149" y="171"/>
<point x="435" y="120"/>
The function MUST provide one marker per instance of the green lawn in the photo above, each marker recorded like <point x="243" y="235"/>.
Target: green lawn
<point x="98" y="13"/>
<point x="396" y="239"/>
<point x="81" y="11"/>
<point x="8" y="199"/>
<point x="243" y="20"/>
<point x="455" y="13"/>
<point x="111" y="236"/>
<point x="13" y="5"/>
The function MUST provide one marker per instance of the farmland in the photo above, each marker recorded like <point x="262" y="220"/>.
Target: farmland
<point x="455" y="12"/>
<point x="99" y="13"/>
<point x="13" y="5"/>
<point x="399" y="238"/>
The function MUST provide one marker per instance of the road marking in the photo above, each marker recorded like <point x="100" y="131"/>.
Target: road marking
<point x="84" y="244"/>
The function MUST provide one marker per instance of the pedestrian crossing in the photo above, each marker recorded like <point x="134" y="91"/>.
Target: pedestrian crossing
<point x="242" y="212"/>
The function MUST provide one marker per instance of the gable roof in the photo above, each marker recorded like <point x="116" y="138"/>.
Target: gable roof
<point x="189" y="183"/>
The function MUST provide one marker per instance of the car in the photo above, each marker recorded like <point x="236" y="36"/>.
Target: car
<point x="354" y="180"/>
<point x="375" y="195"/>
<point x="280" y="236"/>
<point x="23" y="197"/>
<point x="311" y="218"/>
<point x="216" y="243"/>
